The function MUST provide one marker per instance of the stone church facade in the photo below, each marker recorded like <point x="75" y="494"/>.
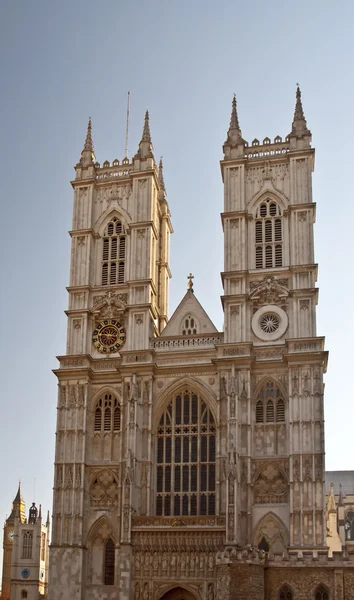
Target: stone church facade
<point x="189" y="461"/>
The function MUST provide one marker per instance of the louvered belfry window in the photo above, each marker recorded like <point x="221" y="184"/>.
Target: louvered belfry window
<point x="107" y="414"/>
<point x="270" y="405"/>
<point x="268" y="235"/>
<point x="113" y="253"/>
<point x="185" y="474"/>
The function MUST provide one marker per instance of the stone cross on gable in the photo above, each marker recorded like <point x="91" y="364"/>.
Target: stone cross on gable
<point x="190" y="278"/>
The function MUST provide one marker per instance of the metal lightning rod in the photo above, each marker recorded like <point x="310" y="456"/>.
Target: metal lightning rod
<point x="127" y="127"/>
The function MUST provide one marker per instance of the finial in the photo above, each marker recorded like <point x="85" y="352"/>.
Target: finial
<point x="340" y="495"/>
<point x="146" y="132"/>
<point x="161" y="179"/>
<point x="190" y="278"/>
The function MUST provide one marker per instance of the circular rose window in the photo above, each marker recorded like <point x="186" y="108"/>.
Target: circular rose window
<point x="269" y="323"/>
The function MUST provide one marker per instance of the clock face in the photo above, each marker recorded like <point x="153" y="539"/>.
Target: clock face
<point x="10" y="535"/>
<point x="25" y="573"/>
<point x="109" y="336"/>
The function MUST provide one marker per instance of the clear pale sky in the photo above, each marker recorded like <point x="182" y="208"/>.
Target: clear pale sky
<point x="61" y="62"/>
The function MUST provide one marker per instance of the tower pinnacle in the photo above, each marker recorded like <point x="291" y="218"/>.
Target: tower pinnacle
<point x="234" y="134"/>
<point x="234" y="124"/>
<point x="88" y="153"/>
<point x="161" y="179"/>
<point x="146" y="132"/>
<point x="145" y="146"/>
<point x="299" y="126"/>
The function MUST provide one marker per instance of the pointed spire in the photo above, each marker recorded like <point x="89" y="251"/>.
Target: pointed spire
<point x="88" y="153"/>
<point x="234" y="124"/>
<point x="161" y="179"/>
<point x="18" y="498"/>
<point x="234" y="134"/>
<point x="48" y="518"/>
<point x="40" y="512"/>
<point x="145" y="146"/>
<point x="146" y="132"/>
<point x="299" y="111"/>
<point x="18" y="506"/>
<point x="299" y="126"/>
<point x="88" y="141"/>
<point x="340" y="496"/>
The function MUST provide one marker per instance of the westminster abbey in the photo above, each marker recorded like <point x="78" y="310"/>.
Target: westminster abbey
<point x="189" y="462"/>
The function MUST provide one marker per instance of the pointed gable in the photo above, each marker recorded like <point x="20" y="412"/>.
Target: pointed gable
<point x="189" y="318"/>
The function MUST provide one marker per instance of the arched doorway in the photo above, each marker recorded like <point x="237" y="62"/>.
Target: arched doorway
<point x="178" y="593"/>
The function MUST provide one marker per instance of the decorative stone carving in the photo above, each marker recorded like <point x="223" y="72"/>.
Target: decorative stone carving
<point x="104" y="489"/>
<point x="68" y="477"/>
<point x="270" y="485"/>
<point x="269" y="291"/>
<point x="109" y="306"/>
<point x="272" y="533"/>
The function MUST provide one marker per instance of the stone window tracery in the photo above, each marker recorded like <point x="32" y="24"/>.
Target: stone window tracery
<point x="270" y="405"/>
<point x="185" y="473"/>
<point x="285" y="593"/>
<point x="107" y="414"/>
<point x="113" y="253"/>
<point x="27" y="543"/>
<point x="322" y="593"/>
<point x="268" y="235"/>
<point x="349" y="526"/>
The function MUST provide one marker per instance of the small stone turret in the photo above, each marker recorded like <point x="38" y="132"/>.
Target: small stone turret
<point x="33" y="514"/>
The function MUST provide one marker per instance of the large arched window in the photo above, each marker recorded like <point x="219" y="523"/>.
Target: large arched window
<point x="285" y="593"/>
<point x="270" y="406"/>
<point x="185" y="474"/>
<point x="27" y="543"/>
<point x="321" y="593"/>
<point x="107" y="414"/>
<point x="113" y="253"/>
<point x="268" y="235"/>
<point x="349" y="526"/>
<point x="109" y="552"/>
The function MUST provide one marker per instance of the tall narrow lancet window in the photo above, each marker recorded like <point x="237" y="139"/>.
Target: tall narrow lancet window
<point x="270" y="405"/>
<point x="109" y="562"/>
<point x="268" y="235"/>
<point x="185" y="475"/>
<point x="113" y="253"/>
